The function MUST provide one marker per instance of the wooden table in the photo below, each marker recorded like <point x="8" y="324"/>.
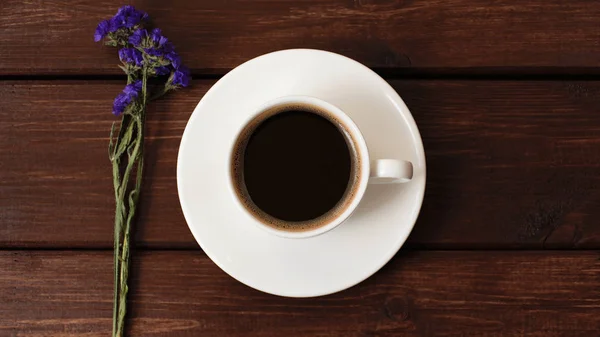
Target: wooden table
<point x="506" y="94"/>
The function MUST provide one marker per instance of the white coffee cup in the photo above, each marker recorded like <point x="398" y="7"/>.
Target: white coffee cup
<point x="378" y="171"/>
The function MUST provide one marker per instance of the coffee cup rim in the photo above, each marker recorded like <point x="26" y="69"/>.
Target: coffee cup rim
<point x="361" y="151"/>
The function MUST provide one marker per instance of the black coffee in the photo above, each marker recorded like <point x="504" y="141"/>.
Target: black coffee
<point x="294" y="166"/>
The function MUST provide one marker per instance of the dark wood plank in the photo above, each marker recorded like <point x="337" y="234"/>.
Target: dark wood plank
<point x="55" y="37"/>
<point x="510" y="164"/>
<point x="183" y="293"/>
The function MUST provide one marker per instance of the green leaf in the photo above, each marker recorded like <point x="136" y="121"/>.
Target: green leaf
<point x="125" y="140"/>
<point x="111" y="142"/>
<point x="130" y="150"/>
<point x="124" y="120"/>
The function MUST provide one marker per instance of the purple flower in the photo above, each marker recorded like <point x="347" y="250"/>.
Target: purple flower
<point x="154" y="52"/>
<point x="162" y="70"/>
<point x="157" y="37"/>
<point x="138" y="37"/>
<point x="131" y="55"/>
<point x="124" y="55"/>
<point x="102" y="30"/>
<point x="163" y="49"/>
<point x="174" y="58"/>
<point x="133" y="88"/>
<point x="161" y="45"/>
<point x="181" y="77"/>
<point x="129" y="94"/>
<point x="128" y="16"/>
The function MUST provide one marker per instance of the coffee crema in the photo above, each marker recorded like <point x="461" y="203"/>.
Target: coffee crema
<point x="295" y="167"/>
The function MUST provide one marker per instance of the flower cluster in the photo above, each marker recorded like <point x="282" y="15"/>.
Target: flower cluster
<point x="143" y="54"/>
<point x="129" y="95"/>
<point x="127" y="18"/>
<point x="160" y="55"/>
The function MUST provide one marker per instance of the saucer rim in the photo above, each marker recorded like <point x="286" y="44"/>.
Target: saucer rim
<point x="401" y="109"/>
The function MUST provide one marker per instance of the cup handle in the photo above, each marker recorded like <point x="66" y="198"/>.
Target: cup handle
<point x="390" y="171"/>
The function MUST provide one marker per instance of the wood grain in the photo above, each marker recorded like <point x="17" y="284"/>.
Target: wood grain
<point x="183" y="293"/>
<point x="464" y="36"/>
<point x="511" y="164"/>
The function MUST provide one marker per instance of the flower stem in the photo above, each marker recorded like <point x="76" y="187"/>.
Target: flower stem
<point x="126" y="202"/>
<point x="119" y="215"/>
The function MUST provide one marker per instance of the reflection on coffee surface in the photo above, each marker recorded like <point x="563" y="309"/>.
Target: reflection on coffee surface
<point x="294" y="166"/>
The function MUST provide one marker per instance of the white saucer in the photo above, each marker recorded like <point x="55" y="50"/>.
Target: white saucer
<point x="337" y="259"/>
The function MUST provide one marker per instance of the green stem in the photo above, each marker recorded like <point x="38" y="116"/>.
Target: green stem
<point x="117" y="238"/>
<point x="122" y="256"/>
<point x="119" y="216"/>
